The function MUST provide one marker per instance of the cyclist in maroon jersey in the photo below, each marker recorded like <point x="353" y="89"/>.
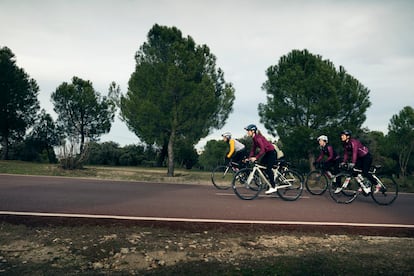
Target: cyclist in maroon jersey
<point x="359" y="155"/>
<point x="331" y="162"/>
<point x="266" y="154"/>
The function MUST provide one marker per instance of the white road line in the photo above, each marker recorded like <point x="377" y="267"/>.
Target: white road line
<point x="321" y="223"/>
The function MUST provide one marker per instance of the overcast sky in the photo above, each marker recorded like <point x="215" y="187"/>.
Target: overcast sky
<point x="96" y="40"/>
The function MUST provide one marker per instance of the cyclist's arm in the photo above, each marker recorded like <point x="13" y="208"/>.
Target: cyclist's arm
<point x="319" y="159"/>
<point x="231" y="150"/>
<point x="331" y="154"/>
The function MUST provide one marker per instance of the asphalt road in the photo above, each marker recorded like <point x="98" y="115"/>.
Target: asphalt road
<point x="73" y="197"/>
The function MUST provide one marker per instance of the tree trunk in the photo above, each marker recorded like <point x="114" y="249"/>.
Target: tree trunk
<point x="82" y="143"/>
<point x="404" y="157"/>
<point x="311" y="159"/>
<point x="5" y="149"/>
<point x="170" y="171"/>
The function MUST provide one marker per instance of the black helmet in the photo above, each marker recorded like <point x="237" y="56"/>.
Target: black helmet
<point x="251" y="127"/>
<point x="346" y="132"/>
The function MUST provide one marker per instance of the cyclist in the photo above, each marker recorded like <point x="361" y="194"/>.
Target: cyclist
<point x="361" y="158"/>
<point x="332" y="160"/>
<point x="237" y="151"/>
<point x="266" y="154"/>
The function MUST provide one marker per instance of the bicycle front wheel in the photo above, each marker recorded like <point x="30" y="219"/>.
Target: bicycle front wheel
<point x="222" y="177"/>
<point x="244" y="190"/>
<point x="344" y="188"/>
<point x="290" y="185"/>
<point x="316" y="182"/>
<point x="386" y="191"/>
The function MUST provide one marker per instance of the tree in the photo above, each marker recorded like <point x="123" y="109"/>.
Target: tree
<point x="213" y="154"/>
<point x="176" y="92"/>
<point x="401" y="136"/>
<point x="82" y="111"/>
<point x="18" y="101"/>
<point x="307" y="97"/>
<point x="45" y="135"/>
<point x="185" y="153"/>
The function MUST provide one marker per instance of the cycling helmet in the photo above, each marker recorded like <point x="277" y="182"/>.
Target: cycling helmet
<point x="323" y="137"/>
<point x="251" y="127"/>
<point x="346" y="132"/>
<point x="227" y="135"/>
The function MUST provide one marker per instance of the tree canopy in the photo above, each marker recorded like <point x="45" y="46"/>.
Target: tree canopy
<point x="307" y="97"/>
<point x="82" y="111"/>
<point x="18" y="101"/>
<point x="176" y="92"/>
<point x="401" y="137"/>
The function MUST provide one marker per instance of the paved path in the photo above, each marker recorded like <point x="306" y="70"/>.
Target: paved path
<point x="60" y="196"/>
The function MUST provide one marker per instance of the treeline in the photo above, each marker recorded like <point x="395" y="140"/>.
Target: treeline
<point x="176" y="96"/>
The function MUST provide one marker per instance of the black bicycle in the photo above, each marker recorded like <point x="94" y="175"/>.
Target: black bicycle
<point x="317" y="181"/>
<point x="383" y="192"/>
<point x="222" y="175"/>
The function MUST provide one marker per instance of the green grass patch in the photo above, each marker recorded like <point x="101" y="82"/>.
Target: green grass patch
<point x="106" y="172"/>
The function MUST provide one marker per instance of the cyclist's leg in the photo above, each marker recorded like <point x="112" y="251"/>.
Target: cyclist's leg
<point x="243" y="156"/>
<point x="238" y="157"/>
<point x="269" y="159"/>
<point x="366" y="165"/>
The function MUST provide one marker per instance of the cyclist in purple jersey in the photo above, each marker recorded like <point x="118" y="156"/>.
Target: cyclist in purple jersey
<point x="359" y="155"/>
<point x="266" y="154"/>
<point x="332" y="159"/>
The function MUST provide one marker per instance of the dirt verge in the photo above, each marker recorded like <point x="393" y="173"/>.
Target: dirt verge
<point x="38" y="247"/>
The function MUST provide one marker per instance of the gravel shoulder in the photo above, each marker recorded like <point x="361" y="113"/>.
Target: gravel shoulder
<point x="28" y="248"/>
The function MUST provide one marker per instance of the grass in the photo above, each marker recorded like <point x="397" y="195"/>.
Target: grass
<point x="106" y="172"/>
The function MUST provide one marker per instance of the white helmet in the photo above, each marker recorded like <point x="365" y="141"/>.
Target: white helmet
<point x="227" y="135"/>
<point x="323" y="137"/>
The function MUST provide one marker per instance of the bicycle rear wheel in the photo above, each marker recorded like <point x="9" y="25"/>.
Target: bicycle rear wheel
<point x="387" y="190"/>
<point x="222" y="177"/>
<point x="244" y="190"/>
<point x="316" y="182"/>
<point x="294" y="185"/>
<point x="346" y="193"/>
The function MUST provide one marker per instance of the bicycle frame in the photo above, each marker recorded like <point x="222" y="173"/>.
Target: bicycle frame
<point x="231" y="166"/>
<point x="258" y="168"/>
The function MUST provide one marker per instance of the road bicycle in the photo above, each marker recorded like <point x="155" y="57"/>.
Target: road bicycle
<point x="384" y="192"/>
<point x="249" y="182"/>
<point x="317" y="181"/>
<point x="222" y="175"/>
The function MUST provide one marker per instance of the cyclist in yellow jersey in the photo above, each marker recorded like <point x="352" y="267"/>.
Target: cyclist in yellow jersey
<point x="237" y="151"/>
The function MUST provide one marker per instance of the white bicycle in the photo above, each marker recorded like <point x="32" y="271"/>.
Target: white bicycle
<point x="249" y="182"/>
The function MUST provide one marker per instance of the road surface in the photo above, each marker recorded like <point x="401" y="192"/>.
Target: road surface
<point x="126" y="200"/>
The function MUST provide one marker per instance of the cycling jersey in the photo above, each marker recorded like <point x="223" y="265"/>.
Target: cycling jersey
<point x="355" y="147"/>
<point x="329" y="151"/>
<point x="264" y="145"/>
<point x="235" y="146"/>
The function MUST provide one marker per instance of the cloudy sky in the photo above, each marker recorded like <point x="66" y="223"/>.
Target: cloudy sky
<point x="96" y="40"/>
